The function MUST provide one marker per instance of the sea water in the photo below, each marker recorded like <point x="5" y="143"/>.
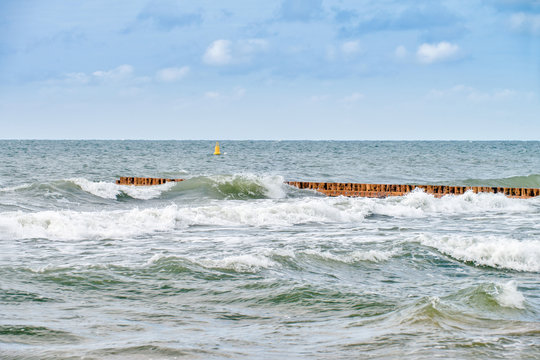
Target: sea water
<point x="233" y="263"/>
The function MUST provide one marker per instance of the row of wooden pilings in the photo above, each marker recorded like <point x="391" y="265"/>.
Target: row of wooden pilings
<point x="144" y="181"/>
<point x="384" y="190"/>
<point x="367" y="190"/>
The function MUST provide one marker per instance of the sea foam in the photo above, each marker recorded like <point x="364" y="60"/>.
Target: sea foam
<point x="354" y="256"/>
<point x="108" y="190"/>
<point x="508" y="295"/>
<point x="271" y="213"/>
<point x="498" y="252"/>
<point x="420" y="204"/>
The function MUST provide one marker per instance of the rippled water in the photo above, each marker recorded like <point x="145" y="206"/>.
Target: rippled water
<point x="232" y="263"/>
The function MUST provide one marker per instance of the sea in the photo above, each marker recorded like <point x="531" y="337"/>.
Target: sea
<point x="232" y="263"/>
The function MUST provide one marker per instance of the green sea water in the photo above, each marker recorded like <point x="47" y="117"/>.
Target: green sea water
<point x="233" y="263"/>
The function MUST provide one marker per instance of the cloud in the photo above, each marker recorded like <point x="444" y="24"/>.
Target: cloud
<point x="172" y="74"/>
<point x="77" y="78"/>
<point x="401" y="52"/>
<point x="527" y="23"/>
<point x="213" y="95"/>
<point x="218" y="53"/>
<point x="425" y="17"/>
<point x="236" y="94"/>
<point x="121" y="72"/>
<point x="430" y="53"/>
<point x="515" y="5"/>
<point x="124" y="75"/>
<point x="346" y="50"/>
<point x="225" y="52"/>
<point x="350" y="47"/>
<point x="166" y="16"/>
<point x="300" y="10"/>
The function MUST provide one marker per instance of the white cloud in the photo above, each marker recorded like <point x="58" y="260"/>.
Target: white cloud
<point x="430" y="53"/>
<point x="213" y="95"/>
<point x="77" y="78"/>
<point x="172" y="74"/>
<point x="525" y="22"/>
<point x="218" y="53"/>
<point x="401" y="52"/>
<point x="121" y="72"/>
<point x="350" y="47"/>
<point x="235" y="94"/>
<point x="225" y="52"/>
<point x="123" y="75"/>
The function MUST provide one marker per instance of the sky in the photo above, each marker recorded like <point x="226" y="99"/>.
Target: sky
<point x="283" y="69"/>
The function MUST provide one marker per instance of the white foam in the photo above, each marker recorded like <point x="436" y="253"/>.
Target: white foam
<point x="15" y="188"/>
<point x="355" y="256"/>
<point x="499" y="252"/>
<point x="420" y="204"/>
<point x="67" y="224"/>
<point x="255" y="213"/>
<point x="240" y="263"/>
<point x="508" y="295"/>
<point x="272" y="213"/>
<point x="108" y="190"/>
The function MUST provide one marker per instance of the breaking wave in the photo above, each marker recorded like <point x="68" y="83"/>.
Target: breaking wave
<point x="109" y="190"/>
<point x="71" y="224"/>
<point x="497" y="252"/>
<point x="229" y="187"/>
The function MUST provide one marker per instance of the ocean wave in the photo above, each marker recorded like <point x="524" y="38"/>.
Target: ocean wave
<point x="238" y="186"/>
<point x="109" y="190"/>
<point x="497" y="252"/>
<point x="354" y="256"/>
<point x="490" y="297"/>
<point x="240" y="263"/>
<point x="71" y="224"/>
<point x="15" y="188"/>
<point x="246" y="263"/>
<point x="220" y="187"/>
<point x="508" y="295"/>
<point x="420" y="204"/>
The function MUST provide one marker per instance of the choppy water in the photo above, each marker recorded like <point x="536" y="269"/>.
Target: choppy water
<point x="232" y="263"/>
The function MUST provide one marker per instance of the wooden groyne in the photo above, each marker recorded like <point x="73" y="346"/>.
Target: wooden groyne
<point x="144" y="181"/>
<point x="368" y="190"/>
<point x="385" y="190"/>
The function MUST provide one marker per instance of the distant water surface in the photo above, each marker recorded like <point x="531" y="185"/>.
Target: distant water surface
<point x="232" y="263"/>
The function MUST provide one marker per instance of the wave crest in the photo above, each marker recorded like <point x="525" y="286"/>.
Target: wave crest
<point x="497" y="252"/>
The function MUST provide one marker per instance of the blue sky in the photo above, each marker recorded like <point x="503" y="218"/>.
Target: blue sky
<point x="291" y="69"/>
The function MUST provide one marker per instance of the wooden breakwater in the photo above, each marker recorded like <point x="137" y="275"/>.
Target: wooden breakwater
<point x="385" y="190"/>
<point x="144" y="181"/>
<point x="368" y="190"/>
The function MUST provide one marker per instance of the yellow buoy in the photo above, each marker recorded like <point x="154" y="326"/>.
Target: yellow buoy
<point x="216" y="150"/>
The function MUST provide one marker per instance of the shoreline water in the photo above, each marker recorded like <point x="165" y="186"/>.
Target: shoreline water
<point x="234" y="263"/>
